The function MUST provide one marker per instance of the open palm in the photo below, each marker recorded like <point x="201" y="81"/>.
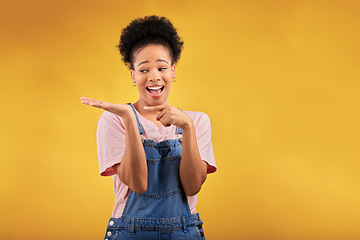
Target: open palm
<point x="118" y="109"/>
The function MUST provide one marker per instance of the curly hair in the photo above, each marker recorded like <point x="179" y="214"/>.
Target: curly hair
<point x="149" y="30"/>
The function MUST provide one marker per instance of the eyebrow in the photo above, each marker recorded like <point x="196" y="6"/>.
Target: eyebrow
<point x="159" y="60"/>
<point x="143" y="62"/>
<point x="162" y="60"/>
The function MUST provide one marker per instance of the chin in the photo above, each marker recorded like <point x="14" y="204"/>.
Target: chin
<point x="152" y="101"/>
<point x="155" y="102"/>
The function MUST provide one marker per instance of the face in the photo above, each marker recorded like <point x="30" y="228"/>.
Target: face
<point x="153" y="74"/>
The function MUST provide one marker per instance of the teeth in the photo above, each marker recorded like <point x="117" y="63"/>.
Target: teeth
<point x="155" y="87"/>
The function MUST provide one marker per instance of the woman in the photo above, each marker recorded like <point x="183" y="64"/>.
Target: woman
<point x="158" y="155"/>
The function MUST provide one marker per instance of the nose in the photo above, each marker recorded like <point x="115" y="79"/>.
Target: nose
<point x="154" y="75"/>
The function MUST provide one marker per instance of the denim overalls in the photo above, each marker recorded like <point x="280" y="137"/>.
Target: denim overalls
<point x="162" y="212"/>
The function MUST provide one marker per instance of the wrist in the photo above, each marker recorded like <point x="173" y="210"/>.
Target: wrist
<point x="188" y="126"/>
<point x="128" y="115"/>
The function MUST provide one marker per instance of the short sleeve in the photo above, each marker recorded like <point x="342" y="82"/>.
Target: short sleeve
<point x="203" y="136"/>
<point x="110" y="138"/>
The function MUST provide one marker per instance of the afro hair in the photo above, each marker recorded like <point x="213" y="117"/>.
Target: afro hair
<point x="149" y="30"/>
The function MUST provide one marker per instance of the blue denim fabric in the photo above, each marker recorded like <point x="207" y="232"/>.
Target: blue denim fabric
<point x="162" y="212"/>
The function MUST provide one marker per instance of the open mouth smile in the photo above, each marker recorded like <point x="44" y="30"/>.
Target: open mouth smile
<point x="155" y="91"/>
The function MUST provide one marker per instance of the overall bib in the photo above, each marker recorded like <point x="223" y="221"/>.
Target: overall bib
<point x="162" y="212"/>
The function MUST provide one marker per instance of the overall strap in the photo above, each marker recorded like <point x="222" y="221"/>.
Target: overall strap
<point x="178" y="130"/>
<point x="141" y="130"/>
<point x="179" y="133"/>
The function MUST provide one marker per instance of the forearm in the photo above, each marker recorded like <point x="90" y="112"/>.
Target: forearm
<point x="133" y="168"/>
<point x="193" y="170"/>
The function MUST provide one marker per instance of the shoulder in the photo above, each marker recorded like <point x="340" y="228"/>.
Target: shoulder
<point x="109" y="118"/>
<point x="200" y="119"/>
<point x="197" y="115"/>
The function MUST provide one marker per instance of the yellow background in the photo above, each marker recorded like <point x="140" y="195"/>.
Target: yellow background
<point x="279" y="80"/>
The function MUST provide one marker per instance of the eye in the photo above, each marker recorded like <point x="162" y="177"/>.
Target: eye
<point x="162" y="69"/>
<point x="144" y="71"/>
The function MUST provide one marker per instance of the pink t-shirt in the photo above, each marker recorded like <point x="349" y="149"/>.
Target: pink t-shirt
<point x="110" y="137"/>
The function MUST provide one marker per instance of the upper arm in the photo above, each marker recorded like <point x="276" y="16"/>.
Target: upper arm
<point x="203" y="137"/>
<point x="110" y="136"/>
<point x="116" y="168"/>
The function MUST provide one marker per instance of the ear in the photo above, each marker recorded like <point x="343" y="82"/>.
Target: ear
<point x="173" y="69"/>
<point x="132" y="73"/>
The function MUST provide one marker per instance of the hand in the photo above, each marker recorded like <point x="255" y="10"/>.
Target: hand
<point x="170" y="115"/>
<point x="122" y="110"/>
